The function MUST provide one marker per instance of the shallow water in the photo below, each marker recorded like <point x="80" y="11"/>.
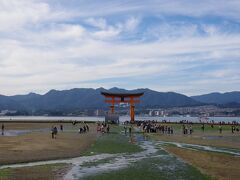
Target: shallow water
<point x="226" y="138"/>
<point x="68" y="161"/>
<point x="122" y="118"/>
<point x="21" y="132"/>
<point x="212" y="137"/>
<point x="234" y="152"/>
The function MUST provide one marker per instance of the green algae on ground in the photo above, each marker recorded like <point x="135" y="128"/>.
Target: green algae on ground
<point x="165" y="168"/>
<point x="113" y="142"/>
<point x="48" y="171"/>
<point x="4" y="173"/>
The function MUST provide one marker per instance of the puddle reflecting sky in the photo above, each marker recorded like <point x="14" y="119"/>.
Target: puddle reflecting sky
<point x="21" y="132"/>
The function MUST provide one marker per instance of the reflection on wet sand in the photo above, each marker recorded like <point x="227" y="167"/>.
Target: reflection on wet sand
<point x="22" y="132"/>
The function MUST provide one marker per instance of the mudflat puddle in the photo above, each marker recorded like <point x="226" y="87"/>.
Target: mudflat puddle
<point x="234" y="152"/>
<point x="22" y="132"/>
<point x="225" y="138"/>
<point x="213" y="137"/>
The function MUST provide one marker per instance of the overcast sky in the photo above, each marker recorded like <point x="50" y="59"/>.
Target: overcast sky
<point x="190" y="47"/>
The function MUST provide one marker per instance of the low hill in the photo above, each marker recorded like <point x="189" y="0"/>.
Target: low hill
<point x="219" y="98"/>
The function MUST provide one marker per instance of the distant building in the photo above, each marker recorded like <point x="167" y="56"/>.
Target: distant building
<point x="157" y="113"/>
<point x="162" y="113"/>
<point x="150" y="113"/>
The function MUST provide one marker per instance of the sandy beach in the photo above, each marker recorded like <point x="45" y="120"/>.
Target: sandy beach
<point x="35" y="146"/>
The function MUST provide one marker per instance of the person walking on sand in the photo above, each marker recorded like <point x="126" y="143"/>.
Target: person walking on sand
<point x="87" y="127"/>
<point x="233" y="128"/>
<point x="171" y="130"/>
<point x="55" y="130"/>
<point x="190" y="129"/>
<point x="61" y="127"/>
<point x="125" y="129"/>
<point x="220" y="129"/>
<point x="3" y="129"/>
<point x="183" y="128"/>
<point x="98" y="127"/>
<point x="80" y="130"/>
<point x="130" y="129"/>
<point x="203" y="127"/>
<point x="102" y="128"/>
<point x="52" y="132"/>
<point x="84" y="129"/>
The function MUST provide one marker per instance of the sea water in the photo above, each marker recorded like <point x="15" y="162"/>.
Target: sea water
<point x="122" y="118"/>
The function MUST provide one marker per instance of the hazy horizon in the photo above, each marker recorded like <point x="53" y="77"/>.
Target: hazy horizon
<point x="188" y="47"/>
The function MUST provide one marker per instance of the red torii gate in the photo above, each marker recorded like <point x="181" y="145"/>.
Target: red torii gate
<point x="130" y="98"/>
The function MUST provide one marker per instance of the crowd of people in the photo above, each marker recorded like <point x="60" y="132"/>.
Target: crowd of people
<point x="187" y="129"/>
<point x="103" y="127"/>
<point x="84" y="129"/>
<point x="157" y="128"/>
<point x="235" y="129"/>
<point x="146" y="126"/>
<point x="54" y="131"/>
<point x="127" y="128"/>
<point x="154" y="127"/>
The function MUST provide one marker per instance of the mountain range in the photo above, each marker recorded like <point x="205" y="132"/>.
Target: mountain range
<point x="88" y="98"/>
<point x="219" y="98"/>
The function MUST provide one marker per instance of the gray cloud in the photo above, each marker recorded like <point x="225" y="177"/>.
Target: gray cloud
<point x="46" y="50"/>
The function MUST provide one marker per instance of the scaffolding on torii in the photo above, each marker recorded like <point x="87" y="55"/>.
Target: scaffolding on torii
<point x="130" y="98"/>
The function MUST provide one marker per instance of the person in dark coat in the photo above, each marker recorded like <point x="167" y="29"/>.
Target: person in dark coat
<point x="3" y="129"/>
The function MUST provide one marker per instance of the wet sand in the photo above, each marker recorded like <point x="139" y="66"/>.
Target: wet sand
<point x="208" y="138"/>
<point x="222" y="166"/>
<point x="24" y="126"/>
<point x="38" y="146"/>
<point x="51" y="172"/>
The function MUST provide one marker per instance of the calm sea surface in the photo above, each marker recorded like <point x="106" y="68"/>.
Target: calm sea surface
<point x="122" y="118"/>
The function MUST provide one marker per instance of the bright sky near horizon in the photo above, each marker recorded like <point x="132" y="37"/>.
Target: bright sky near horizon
<point x="188" y="46"/>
